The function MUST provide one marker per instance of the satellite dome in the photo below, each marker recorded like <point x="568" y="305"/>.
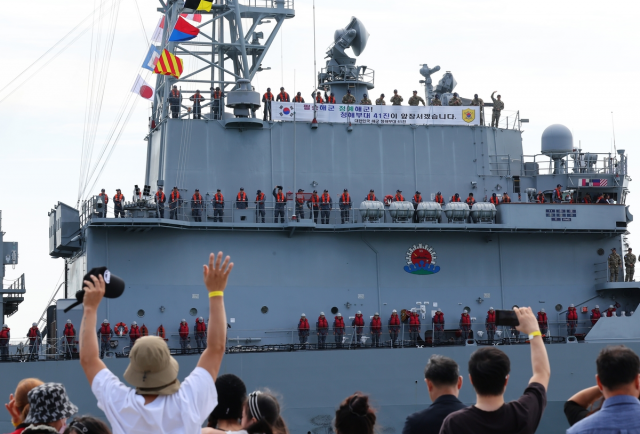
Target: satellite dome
<point x="557" y="141"/>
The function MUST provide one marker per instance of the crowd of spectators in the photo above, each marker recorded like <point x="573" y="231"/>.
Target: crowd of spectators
<point x="158" y="402"/>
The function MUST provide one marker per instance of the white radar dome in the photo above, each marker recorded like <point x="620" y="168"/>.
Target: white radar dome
<point x="557" y="141"/>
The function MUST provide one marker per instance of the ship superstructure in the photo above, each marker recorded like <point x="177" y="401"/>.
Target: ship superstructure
<point x="377" y="256"/>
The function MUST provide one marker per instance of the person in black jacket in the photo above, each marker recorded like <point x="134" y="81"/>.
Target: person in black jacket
<point x="444" y="382"/>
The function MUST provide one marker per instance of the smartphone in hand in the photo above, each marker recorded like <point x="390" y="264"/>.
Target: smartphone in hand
<point x="506" y="318"/>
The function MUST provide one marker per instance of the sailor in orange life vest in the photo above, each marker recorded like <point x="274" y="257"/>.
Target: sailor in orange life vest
<point x="414" y="326"/>
<point x="183" y="331"/>
<point x="455" y="198"/>
<point x="299" y="204"/>
<point x="543" y="322"/>
<point x="196" y="206"/>
<point x="358" y="323"/>
<point x="439" y="199"/>
<point x="241" y="199"/>
<point x="345" y="206"/>
<point x="371" y="195"/>
<point x="572" y="320"/>
<point x="35" y="339"/>
<point x="118" y="199"/>
<point x="540" y="197"/>
<point x="611" y="311"/>
<point x="298" y="97"/>
<point x="557" y="194"/>
<point x="174" y="202"/>
<point x="376" y="330"/>
<point x="216" y="99"/>
<point x="200" y="331"/>
<point x="595" y="315"/>
<point x="134" y="334"/>
<point x="314" y="205"/>
<point x="218" y="206"/>
<point x="5" y="336"/>
<point x="281" y="201"/>
<point x="438" y="326"/>
<point x="303" y="330"/>
<point x="282" y="96"/>
<point x="470" y="200"/>
<point x="322" y="330"/>
<point x="505" y="198"/>
<point x="331" y="99"/>
<point x="394" y="326"/>
<point x="267" y="99"/>
<point x="105" y="200"/>
<point x="465" y="325"/>
<point x="160" y="198"/>
<point x="494" y="199"/>
<point x="416" y="200"/>
<point x="260" y="197"/>
<point x="69" y="334"/>
<point x="398" y="197"/>
<point x="326" y="203"/>
<point x="490" y="324"/>
<point x="175" y="101"/>
<point x="338" y="330"/>
<point x="104" y="333"/>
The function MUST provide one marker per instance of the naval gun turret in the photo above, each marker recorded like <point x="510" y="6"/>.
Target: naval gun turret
<point x="341" y="72"/>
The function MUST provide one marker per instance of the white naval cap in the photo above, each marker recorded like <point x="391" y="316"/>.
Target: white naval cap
<point x="491" y="308"/>
<point x="465" y="311"/>
<point x="359" y="312"/>
<point x="439" y="310"/>
<point x="68" y="321"/>
<point x="34" y="324"/>
<point x="610" y="306"/>
<point x="134" y="323"/>
<point x="413" y="309"/>
<point x="377" y="314"/>
<point x="394" y="311"/>
<point x="339" y="314"/>
<point x="4" y="326"/>
<point x="303" y="315"/>
<point x="183" y="320"/>
<point x="597" y="307"/>
<point x="321" y="313"/>
<point x="571" y="305"/>
<point x="106" y="321"/>
<point x="542" y="310"/>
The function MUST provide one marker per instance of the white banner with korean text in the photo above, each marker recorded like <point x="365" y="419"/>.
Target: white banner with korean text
<point x="377" y="114"/>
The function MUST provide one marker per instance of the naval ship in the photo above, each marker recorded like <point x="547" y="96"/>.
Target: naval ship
<point x="375" y="256"/>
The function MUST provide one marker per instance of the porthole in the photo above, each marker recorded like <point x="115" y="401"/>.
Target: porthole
<point x="558" y="307"/>
<point x="193" y="311"/>
<point x="468" y="309"/>
<point x="140" y="313"/>
<point x="600" y="251"/>
<point x="514" y="306"/>
<point x="334" y="310"/>
<point x="264" y="309"/>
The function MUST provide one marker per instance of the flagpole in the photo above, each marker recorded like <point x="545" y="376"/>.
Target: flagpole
<point x="295" y="190"/>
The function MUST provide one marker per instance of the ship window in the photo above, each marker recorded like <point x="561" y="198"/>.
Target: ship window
<point x="516" y="184"/>
<point x="334" y="310"/>
<point x="193" y="311"/>
<point x="141" y="313"/>
<point x="558" y="307"/>
<point x="264" y="309"/>
<point x="600" y="251"/>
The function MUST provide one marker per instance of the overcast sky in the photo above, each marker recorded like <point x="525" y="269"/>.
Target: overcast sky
<point x="568" y="62"/>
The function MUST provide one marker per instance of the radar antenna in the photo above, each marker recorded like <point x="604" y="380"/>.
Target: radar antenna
<point x="341" y="73"/>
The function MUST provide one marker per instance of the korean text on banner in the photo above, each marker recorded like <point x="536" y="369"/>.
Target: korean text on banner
<point x="368" y="114"/>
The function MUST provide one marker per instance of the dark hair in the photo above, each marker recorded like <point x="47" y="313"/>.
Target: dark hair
<point x="354" y="416"/>
<point x="270" y="421"/>
<point x="489" y="368"/>
<point x="617" y="366"/>
<point x="442" y="371"/>
<point x="87" y="425"/>
<point x="232" y="394"/>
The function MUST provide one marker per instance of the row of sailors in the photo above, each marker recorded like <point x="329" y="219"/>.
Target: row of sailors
<point x="437" y="322"/>
<point x="558" y="198"/>
<point x="315" y="202"/>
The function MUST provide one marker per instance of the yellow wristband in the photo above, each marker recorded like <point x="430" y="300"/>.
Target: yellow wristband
<point x="534" y="334"/>
<point x="220" y="294"/>
<point x="15" y="425"/>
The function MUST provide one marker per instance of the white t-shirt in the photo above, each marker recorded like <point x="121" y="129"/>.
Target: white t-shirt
<point x="180" y="413"/>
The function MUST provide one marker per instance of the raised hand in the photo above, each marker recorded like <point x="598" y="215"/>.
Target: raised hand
<point x="216" y="275"/>
<point x="93" y="291"/>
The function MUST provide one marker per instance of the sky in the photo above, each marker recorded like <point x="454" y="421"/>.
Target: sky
<point x="568" y="62"/>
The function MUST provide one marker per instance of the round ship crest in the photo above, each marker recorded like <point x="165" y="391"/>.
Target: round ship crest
<point x="421" y="260"/>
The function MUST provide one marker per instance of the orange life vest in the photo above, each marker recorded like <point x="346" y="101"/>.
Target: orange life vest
<point x="242" y="196"/>
<point x="260" y="197"/>
<point x="371" y="196"/>
<point x="325" y="198"/>
<point x="219" y="198"/>
<point x="284" y="96"/>
<point x="455" y="199"/>
<point x="417" y="198"/>
<point x="297" y="99"/>
<point x="346" y="198"/>
<point x="197" y="198"/>
<point x="268" y="96"/>
<point x="280" y="198"/>
<point x="331" y="100"/>
<point x="399" y="197"/>
<point x="439" y="198"/>
<point x="174" y="196"/>
<point x="495" y="200"/>
<point x="217" y="94"/>
<point x="319" y="98"/>
<point x="160" y="196"/>
<point x="506" y="198"/>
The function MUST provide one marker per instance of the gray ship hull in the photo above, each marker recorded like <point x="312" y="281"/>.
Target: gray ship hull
<point x="313" y="383"/>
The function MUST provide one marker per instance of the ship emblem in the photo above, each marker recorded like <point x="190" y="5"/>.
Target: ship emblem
<point x="468" y="115"/>
<point x="421" y="259"/>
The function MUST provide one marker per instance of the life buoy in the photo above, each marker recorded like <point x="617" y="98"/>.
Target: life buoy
<point x="160" y="332"/>
<point x="144" y="331"/>
<point x="388" y="199"/>
<point x="121" y="329"/>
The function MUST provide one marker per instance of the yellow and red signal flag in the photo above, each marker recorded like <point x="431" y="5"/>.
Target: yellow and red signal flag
<point x="168" y="64"/>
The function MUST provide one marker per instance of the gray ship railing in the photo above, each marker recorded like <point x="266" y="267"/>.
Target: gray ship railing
<point x="261" y="340"/>
<point x="577" y="163"/>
